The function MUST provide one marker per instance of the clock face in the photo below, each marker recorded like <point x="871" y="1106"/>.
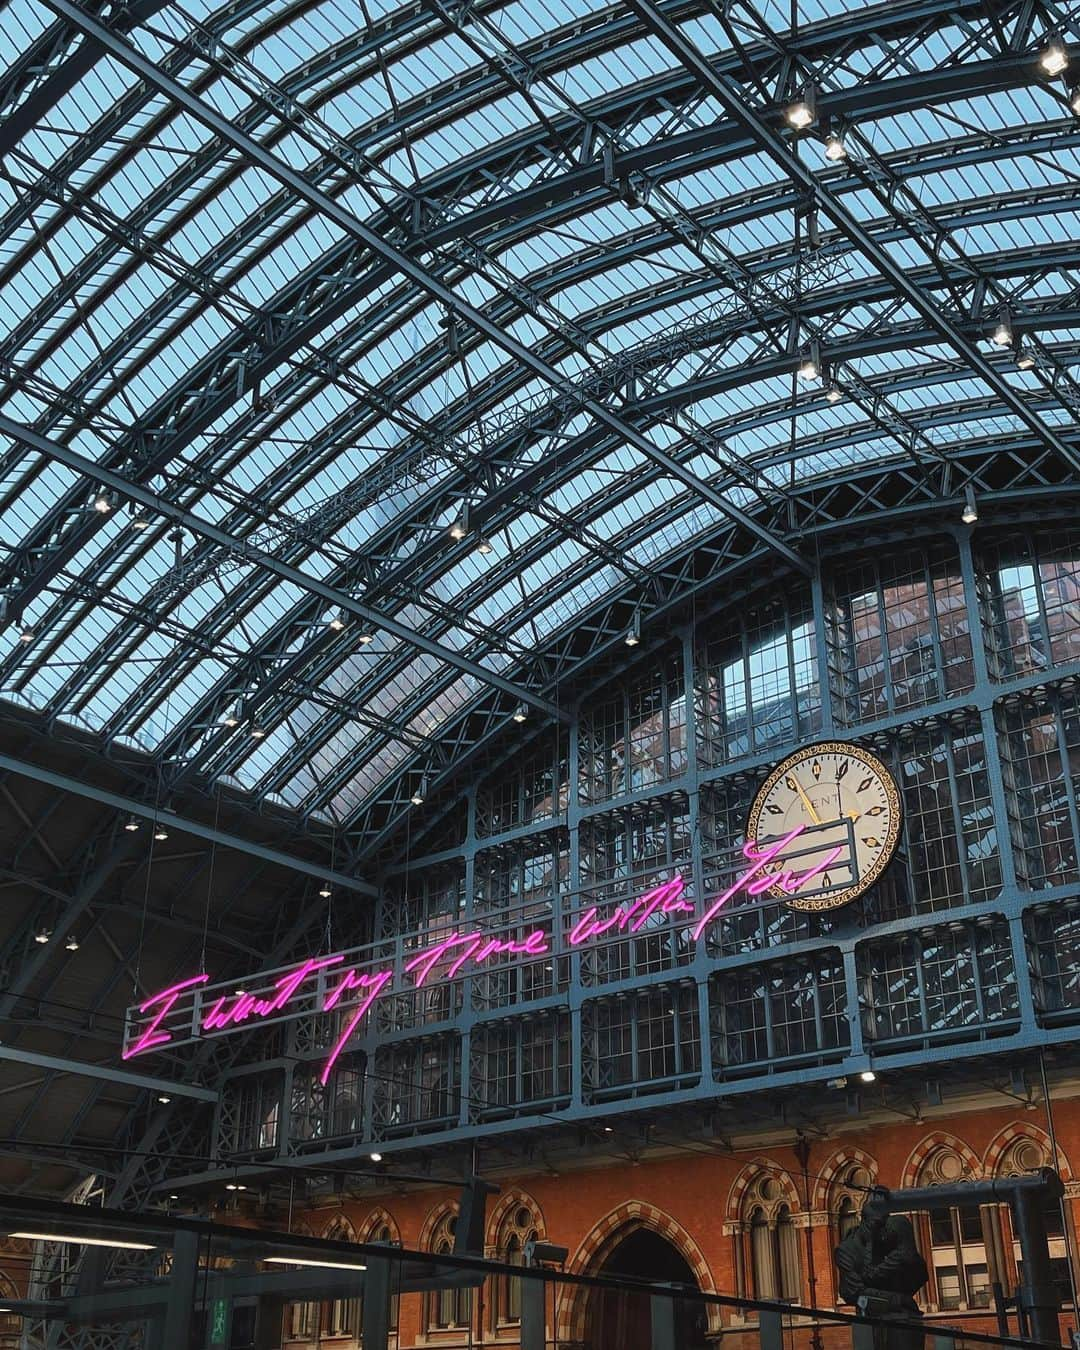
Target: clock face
<point x="842" y="806"/>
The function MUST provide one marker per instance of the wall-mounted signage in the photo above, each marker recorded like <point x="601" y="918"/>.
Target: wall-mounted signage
<point x="813" y="859"/>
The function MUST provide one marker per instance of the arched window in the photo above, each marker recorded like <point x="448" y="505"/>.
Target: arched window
<point x="846" y="1195"/>
<point x="516" y="1229"/>
<point x="775" y="1262"/>
<point x="448" y="1308"/>
<point x="1025" y="1155"/>
<point x="341" y="1315"/>
<point x="958" y="1251"/>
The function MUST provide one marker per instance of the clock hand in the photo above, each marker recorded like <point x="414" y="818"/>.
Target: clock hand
<point x="793" y="782"/>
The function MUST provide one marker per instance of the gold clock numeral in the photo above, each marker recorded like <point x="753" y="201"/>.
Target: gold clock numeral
<point x="870" y="841"/>
<point x="816" y="769"/>
<point x="866" y="782"/>
<point x="875" y="811"/>
<point x="773" y="809"/>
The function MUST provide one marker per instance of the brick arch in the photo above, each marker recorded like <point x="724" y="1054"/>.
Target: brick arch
<point x="840" y="1161"/>
<point x="380" y="1218"/>
<point x="339" y="1229"/>
<point x="748" y="1174"/>
<point x="605" y="1236"/>
<point x="1008" y="1135"/>
<point x="927" y="1147"/>
<point x="515" y="1199"/>
<point x="434" y="1217"/>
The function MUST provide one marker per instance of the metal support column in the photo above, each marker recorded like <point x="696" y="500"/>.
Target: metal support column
<point x="532" y="1314"/>
<point x="377" y="1283"/>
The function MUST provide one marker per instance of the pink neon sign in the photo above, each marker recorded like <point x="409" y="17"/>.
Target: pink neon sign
<point x="326" y="984"/>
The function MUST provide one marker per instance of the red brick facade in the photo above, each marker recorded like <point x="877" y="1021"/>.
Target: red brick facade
<point x="696" y="1199"/>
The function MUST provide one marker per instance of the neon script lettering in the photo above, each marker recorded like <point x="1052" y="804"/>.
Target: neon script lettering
<point x="354" y="991"/>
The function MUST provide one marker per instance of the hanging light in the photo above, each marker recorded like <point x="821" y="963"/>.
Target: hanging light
<point x="337" y="621"/>
<point x="257" y="732"/>
<point x="835" y="149"/>
<point x="520" y="713"/>
<point x="104" y="500"/>
<point x="325" y="890"/>
<point x="131" y="824"/>
<point x="42" y="936"/>
<point x="809" y="367"/>
<point x="868" y="1076"/>
<point x="802" y="111"/>
<point x="1025" y="358"/>
<point x="485" y="546"/>
<point x="1002" y="336"/>
<point x="633" y="633"/>
<point x="833" y="394"/>
<point x="26" y="633"/>
<point x="375" y="1157"/>
<point x="365" y="638"/>
<point x="160" y="833"/>
<point x="164" y="1102"/>
<point x="1053" y="58"/>
<point x="139" y="519"/>
<point x="460" y="528"/>
<point x="234" y="716"/>
<point x="420" y="793"/>
<point x="970" y="513"/>
<point x="72" y="944"/>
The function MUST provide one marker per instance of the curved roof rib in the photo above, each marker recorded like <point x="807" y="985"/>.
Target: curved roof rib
<point x="305" y="291"/>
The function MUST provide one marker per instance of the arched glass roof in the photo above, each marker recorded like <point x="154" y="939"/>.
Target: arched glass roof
<point x="283" y="355"/>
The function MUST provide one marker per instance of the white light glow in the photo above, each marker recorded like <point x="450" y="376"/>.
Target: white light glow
<point x="80" y="1241"/>
<point x="320" y="1265"/>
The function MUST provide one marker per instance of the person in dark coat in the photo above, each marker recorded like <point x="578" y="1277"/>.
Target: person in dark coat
<point x="881" y="1270"/>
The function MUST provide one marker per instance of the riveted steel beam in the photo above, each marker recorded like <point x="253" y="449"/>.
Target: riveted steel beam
<point x="728" y="94"/>
<point x="333" y="210"/>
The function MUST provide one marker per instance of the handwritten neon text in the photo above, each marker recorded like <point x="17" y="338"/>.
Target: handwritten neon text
<point x="355" y="991"/>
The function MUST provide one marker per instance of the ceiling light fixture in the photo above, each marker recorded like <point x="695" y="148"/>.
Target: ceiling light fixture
<point x="520" y="713"/>
<point x="131" y="825"/>
<point x="485" y="546"/>
<point x="420" y="793"/>
<point x="337" y="621"/>
<point x="42" y="936"/>
<point x="72" y="944"/>
<point x="1025" y="358"/>
<point x="1002" y="336"/>
<point x="868" y="1076"/>
<point x="365" y="638"/>
<point x="376" y="1157"/>
<point x="139" y="519"/>
<point x="1053" y="58"/>
<point x="802" y="111"/>
<point x="165" y="1101"/>
<point x="257" y="732"/>
<point x="809" y="367"/>
<point x="26" y="633"/>
<point x="835" y="149"/>
<point x="970" y="513"/>
<point x="160" y="833"/>
<point x="833" y="394"/>
<point x="81" y="1241"/>
<point x="633" y="633"/>
<point x="460" y="528"/>
<point x="104" y="501"/>
<point x="326" y="890"/>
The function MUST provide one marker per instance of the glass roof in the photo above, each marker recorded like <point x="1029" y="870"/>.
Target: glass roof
<point x="176" y="314"/>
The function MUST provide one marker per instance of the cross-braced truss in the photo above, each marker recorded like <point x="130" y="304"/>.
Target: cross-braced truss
<point x="365" y="372"/>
